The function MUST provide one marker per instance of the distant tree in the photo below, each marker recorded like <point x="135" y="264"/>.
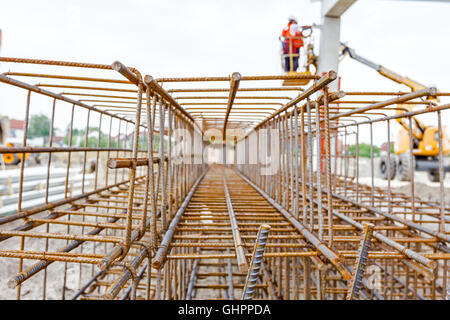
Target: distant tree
<point x="39" y="126"/>
<point x="156" y="141"/>
<point x="364" y="150"/>
<point x="79" y="138"/>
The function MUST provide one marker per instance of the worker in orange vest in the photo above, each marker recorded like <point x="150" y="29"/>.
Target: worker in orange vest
<point x="292" y="39"/>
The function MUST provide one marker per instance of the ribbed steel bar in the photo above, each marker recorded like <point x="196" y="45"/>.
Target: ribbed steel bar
<point x="238" y="244"/>
<point x="360" y="263"/>
<point x="255" y="264"/>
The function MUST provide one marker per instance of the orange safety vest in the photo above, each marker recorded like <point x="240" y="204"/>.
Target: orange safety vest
<point x="292" y="32"/>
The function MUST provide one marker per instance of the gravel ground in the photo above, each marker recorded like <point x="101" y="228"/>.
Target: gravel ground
<point x="423" y="188"/>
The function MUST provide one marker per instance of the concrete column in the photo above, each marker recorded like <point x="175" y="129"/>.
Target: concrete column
<point x="329" y="47"/>
<point x="332" y="11"/>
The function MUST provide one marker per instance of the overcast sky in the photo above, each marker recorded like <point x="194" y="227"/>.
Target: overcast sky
<point x="200" y="37"/>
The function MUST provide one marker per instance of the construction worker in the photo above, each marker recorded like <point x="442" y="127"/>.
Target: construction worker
<point x="292" y="40"/>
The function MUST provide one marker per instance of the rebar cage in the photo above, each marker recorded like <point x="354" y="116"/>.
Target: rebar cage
<point x="263" y="192"/>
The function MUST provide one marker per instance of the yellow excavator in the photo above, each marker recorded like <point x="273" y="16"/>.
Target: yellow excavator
<point x="425" y="138"/>
<point x="8" y="158"/>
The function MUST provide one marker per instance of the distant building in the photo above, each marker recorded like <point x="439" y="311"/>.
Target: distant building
<point x="16" y="131"/>
<point x="12" y="131"/>
<point x="384" y="146"/>
<point x="58" y="140"/>
<point x="4" y="129"/>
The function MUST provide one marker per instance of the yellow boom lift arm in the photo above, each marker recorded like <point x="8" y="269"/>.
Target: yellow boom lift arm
<point x="422" y="134"/>
<point x="425" y="138"/>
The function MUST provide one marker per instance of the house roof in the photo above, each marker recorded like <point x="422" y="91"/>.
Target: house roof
<point x="16" y="124"/>
<point x="57" y="139"/>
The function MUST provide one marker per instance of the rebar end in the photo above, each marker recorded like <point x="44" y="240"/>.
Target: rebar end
<point x="243" y="267"/>
<point x="157" y="264"/>
<point x="102" y="265"/>
<point x="148" y="79"/>
<point x="111" y="163"/>
<point x="433" y="91"/>
<point x="432" y="264"/>
<point x="12" y="283"/>
<point x="236" y="76"/>
<point x="332" y="74"/>
<point x="340" y="94"/>
<point x="108" y="296"/>
<point x="117" y="66"/>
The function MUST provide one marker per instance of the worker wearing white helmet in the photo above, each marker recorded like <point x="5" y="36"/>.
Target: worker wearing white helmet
<point x="291" y="38"/>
